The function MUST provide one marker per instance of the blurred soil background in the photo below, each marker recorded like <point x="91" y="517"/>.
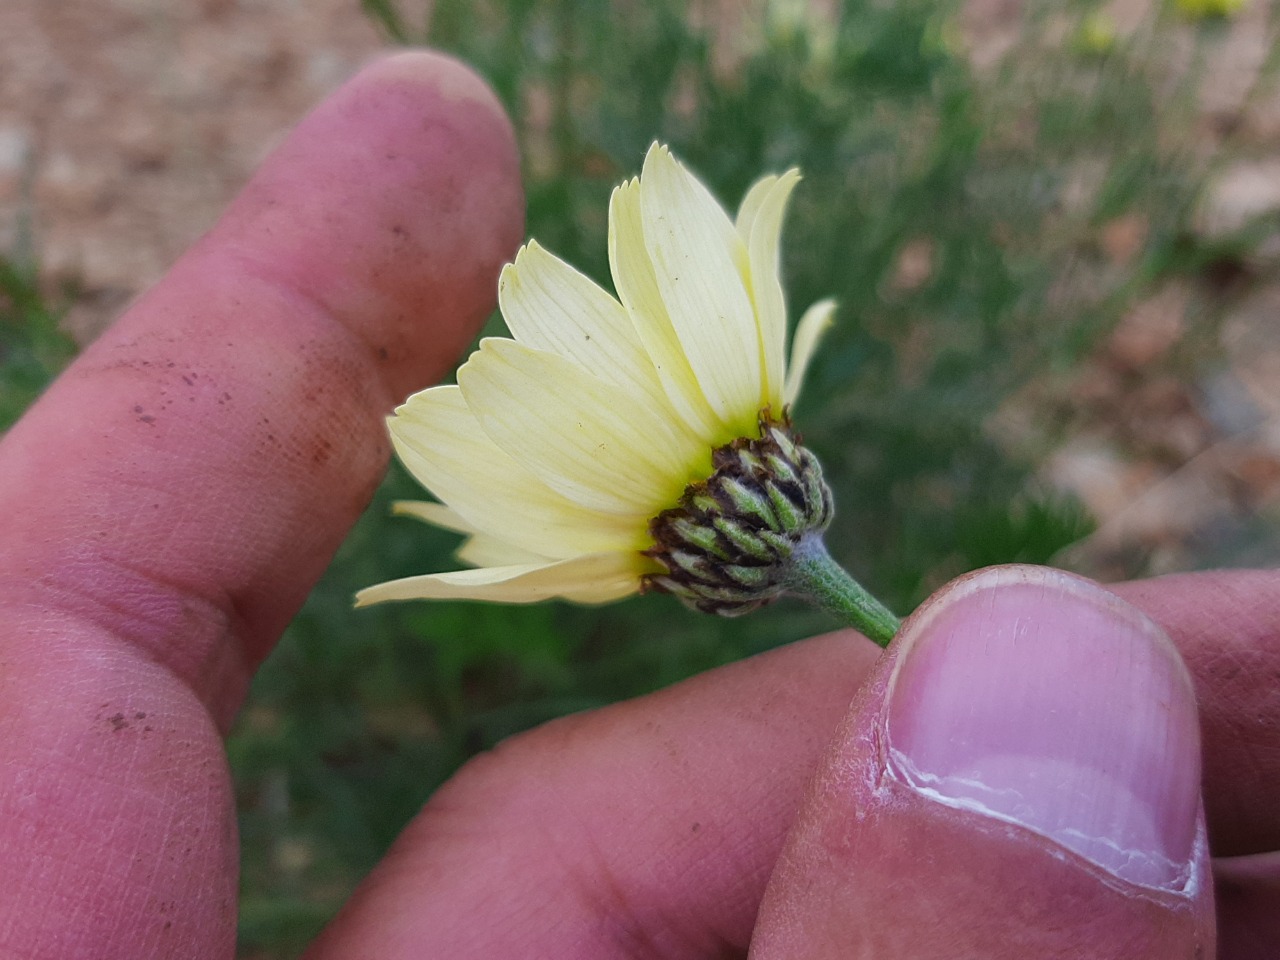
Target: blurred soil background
<point x="1054" y="231"/>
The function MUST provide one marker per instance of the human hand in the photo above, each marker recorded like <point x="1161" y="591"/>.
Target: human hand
<point x="144" y="577"/>
<point x="168" y="503"/>
<point x="653" y="828"/>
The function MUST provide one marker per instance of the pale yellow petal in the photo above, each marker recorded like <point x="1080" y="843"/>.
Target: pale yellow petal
<point x="436" y="514"/>
<point x="586" y="439"/>
<point x="697" y="256"/>
<point x="441" y="443"/>
<point x="596" y="578"/>
<point x="815" y="322"/>
<point x="750" y="206"/>
<point x="479" y="549"/>
<point x="483" y="550"/>
<point x="637" y="287"/>
<point x="550" y="306"/>
<point x="770" y="206"/>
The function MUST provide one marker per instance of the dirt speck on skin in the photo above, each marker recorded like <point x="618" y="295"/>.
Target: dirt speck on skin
<point x="127" y="125"/>
<point x="322" y="452"/>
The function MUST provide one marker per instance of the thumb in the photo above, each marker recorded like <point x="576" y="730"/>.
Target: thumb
<point x="1020" y="777"/>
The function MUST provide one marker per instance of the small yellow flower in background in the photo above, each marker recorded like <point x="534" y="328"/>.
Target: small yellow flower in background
<point x="1097" y="33"/>
<point x="580" y="457"/>
<point x="1209" y="9"/>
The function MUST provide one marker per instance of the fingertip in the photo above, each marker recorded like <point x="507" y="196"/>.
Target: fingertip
<point x="394" y="205"/>
<point x="1037" y="697"/>
<point x="454" y="80"/>
<point x="1029" y="741"/>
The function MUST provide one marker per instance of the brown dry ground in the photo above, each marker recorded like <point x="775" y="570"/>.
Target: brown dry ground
<point x="125" y="125"/>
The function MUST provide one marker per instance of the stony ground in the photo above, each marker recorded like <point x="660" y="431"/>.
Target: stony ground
<point x="1177" y="449"/>
<point x="125" y="125"/>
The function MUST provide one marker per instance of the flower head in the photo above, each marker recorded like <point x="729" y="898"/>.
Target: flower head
<point x="581" y="457"/>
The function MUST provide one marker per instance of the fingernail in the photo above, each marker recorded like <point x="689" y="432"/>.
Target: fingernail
<point x="1038" y="698"/>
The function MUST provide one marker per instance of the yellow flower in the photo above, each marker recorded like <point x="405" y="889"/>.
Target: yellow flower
<point x="558" y="449"/>
<point x="1209" y="9"/>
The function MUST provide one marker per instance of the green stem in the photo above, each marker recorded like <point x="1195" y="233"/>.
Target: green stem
<point x="812" y="575"/>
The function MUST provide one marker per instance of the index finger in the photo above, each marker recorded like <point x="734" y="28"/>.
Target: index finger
<point x="167" y="504"/>
<point x="205" y="457"/>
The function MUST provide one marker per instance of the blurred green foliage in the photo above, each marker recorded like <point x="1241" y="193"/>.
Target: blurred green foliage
<point x="32" y="347"/>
